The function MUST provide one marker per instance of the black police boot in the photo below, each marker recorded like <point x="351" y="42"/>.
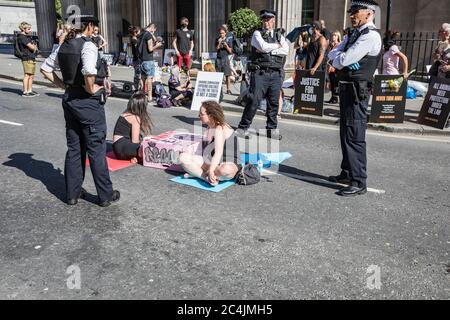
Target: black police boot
<point x="343" y="178"/>
<point x="352" y="191"/>
<point x="115" y="198"/>
<point x="274" y="134"/>
<point x="74" y="202"/>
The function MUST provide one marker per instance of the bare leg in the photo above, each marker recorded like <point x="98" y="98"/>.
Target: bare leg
<point x="149" y="82"/>
<point x="25" y="83"/>
<point x="193" y="165"/>
<point x="30" y="83"/>
<point x="226" y="171"/>
<point x="280" y="105"/>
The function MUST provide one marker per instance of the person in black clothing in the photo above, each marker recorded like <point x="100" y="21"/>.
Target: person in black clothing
<point x="99" y="41"/>
<point x="224" y="50"/>
<point x="327" y="34"/>
<point x="135" y="33"/>
<point x="29" y="49"/>
<point x="83" y="74"/>
<point x="316" y="50"/>
<point x="131" y="127"/>
<point x="184" y="44"/>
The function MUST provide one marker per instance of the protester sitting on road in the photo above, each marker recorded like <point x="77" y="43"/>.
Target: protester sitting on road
<point x="131" y="127"/>
<point x="392" y="56"/>
<point x="179" y="91"/>
<point x="221" y="156"/>
<point x="28" y="48"/>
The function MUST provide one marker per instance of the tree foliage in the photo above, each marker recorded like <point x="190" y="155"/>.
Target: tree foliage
<point x="243" y="22"/>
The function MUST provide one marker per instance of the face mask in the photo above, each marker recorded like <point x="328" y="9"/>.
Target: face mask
<point x="184" y="25"/>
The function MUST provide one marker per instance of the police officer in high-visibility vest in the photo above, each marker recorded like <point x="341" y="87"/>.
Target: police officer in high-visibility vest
<point x="356" y="61"/>
<point x="270" y="49"/>
<point x="83" y="74"/>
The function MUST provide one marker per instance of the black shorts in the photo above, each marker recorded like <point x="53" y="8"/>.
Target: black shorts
<point x="124" y="149"/>
<point x="223" y="65"/>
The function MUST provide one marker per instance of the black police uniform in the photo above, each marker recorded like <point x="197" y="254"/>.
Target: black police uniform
<point x="354" y="93"/>
<point x="85" y="124"/>
<point x="265" y="82"/>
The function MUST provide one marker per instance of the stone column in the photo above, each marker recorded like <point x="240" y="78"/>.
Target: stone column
<point x="289" y="16"/>
<point x="154" y="11"/>
<point x="209" y="16"/>
<point x="46" y="24"/>
<point x="110" y="25"/>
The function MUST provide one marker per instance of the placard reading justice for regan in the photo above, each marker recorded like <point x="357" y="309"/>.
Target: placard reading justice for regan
<point x="389" y="99"/>
<point x="309" y="92"/>
<point x="436" y="108"/>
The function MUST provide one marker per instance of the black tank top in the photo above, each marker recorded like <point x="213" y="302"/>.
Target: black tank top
<point x="123" y="128"/>
<point x="312" y="54"/>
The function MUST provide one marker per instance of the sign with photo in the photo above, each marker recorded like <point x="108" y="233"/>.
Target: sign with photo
<point x="436" y="107"/>
<point x="389" y="99"/>
<point x="309" y="92"/>
<point x="207" y="88"/>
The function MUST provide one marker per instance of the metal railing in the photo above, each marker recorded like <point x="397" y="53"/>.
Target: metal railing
<point x="419" y="48"/>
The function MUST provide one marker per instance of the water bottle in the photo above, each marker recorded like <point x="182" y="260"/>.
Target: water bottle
<point x="260" y="166"/>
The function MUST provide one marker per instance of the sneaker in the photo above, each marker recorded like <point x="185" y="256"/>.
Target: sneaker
<point x="243" y="133"/>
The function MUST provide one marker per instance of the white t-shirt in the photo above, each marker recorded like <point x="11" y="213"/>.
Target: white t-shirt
<point x="391" y="61"/>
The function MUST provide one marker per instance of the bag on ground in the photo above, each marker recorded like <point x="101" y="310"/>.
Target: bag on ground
<point x="248" y="175"/>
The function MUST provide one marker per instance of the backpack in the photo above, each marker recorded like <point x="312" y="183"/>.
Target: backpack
<point x="248" y="175"/>
<point x="159" y="90"/>
<point x="164" y="101"/>
<point x="238" y="47"/>
<point x="17" y="52"/>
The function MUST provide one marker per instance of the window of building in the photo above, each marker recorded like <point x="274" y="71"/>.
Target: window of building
<point x="307" y="11"/>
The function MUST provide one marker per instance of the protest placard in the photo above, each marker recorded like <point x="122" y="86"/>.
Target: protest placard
<point x="436" y="108"/>
<point x="207" y="88"/>
<point x="309" y="92"/>
<point x="389" y="99"/>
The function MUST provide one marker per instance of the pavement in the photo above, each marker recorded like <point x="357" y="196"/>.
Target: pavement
<point x="10" y="68"/>
<point x="288" y="237"/>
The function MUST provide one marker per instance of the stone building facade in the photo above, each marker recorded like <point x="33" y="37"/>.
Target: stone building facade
<point x="207" y="15"/>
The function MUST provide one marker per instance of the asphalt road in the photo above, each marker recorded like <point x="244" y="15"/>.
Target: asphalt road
<point x="287" y="238"/>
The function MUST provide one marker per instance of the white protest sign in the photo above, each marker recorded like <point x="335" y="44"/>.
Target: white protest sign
<point x="207" y="88"/>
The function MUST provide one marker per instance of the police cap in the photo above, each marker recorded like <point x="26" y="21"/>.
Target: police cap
<point x="363" y="4"/>
<point x="267" y="14"/>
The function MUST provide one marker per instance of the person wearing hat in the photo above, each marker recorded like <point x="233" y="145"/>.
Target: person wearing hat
<point x="83" y="73"/>
<point x="316" y="49"/>
<point x="356" y="60"/>
<point x="270" y="49"/>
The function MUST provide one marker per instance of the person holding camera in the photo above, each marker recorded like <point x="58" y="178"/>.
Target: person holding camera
<point x="224" y="50"/>
<point x="83" y="74"/>
<point x="148" y="44"/>
<point x="29" y="49"/>
<point x="270" y="49"/>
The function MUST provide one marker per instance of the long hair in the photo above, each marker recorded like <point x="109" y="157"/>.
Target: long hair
<point x="215" y="113"/>
<point x="137" y="106"/>
<point x="390" y="39"/>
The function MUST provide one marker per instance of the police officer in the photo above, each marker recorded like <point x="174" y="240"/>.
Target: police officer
<point x="356" y="60"/>
<point x="83" y="73"/>
<point x="266" y="65"/>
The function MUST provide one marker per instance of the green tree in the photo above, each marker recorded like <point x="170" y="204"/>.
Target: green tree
<point x="58" y="7"/>
<point x="243" y="22"/>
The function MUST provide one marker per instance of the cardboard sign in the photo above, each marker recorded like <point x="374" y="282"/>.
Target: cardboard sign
<point x="109" y="58"/>
<point x="207" y="88"/>
<point x="167" y="52"/>
<point x="158" y="56"/>
<point x="163" y="152"/>
<point x="389" y="99"/>
<point x="309" y="92"/>
<point x="436" y="107"/>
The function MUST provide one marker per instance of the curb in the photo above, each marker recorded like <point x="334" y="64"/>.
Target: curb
<point x="422" y="131"/>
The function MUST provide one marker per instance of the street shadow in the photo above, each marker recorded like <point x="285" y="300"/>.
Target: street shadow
<point x="55" y="95"/>
<point x="45" y="172"/>
<point x="188" y="120"/>
<point x="15" y="91"/>
<point x="308" y="177"/>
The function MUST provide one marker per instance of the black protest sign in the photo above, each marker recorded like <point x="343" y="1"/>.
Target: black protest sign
<point x="389" y="99"/>
<point x="309" y="92"/>
<point x="436" y="108"/>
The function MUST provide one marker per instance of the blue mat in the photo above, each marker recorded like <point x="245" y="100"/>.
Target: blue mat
<point x="203" y="185"/>
<point x="267" y="158"/>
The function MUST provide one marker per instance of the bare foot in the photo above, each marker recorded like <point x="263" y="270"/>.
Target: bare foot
<point x="134" y="160"/>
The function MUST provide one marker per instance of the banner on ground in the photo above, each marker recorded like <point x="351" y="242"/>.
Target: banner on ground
<point x="207" y="88"/>
<point x="309" y="92"/>
<point x="389" y="99"/>
<point x="436" y="107"/>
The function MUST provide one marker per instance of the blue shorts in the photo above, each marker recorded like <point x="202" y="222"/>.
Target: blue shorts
<point x="148" y="68"/>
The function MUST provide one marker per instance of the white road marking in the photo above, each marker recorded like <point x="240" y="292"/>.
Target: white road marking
<point x="314" y="180"/>
<point x="11" y="123"/>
